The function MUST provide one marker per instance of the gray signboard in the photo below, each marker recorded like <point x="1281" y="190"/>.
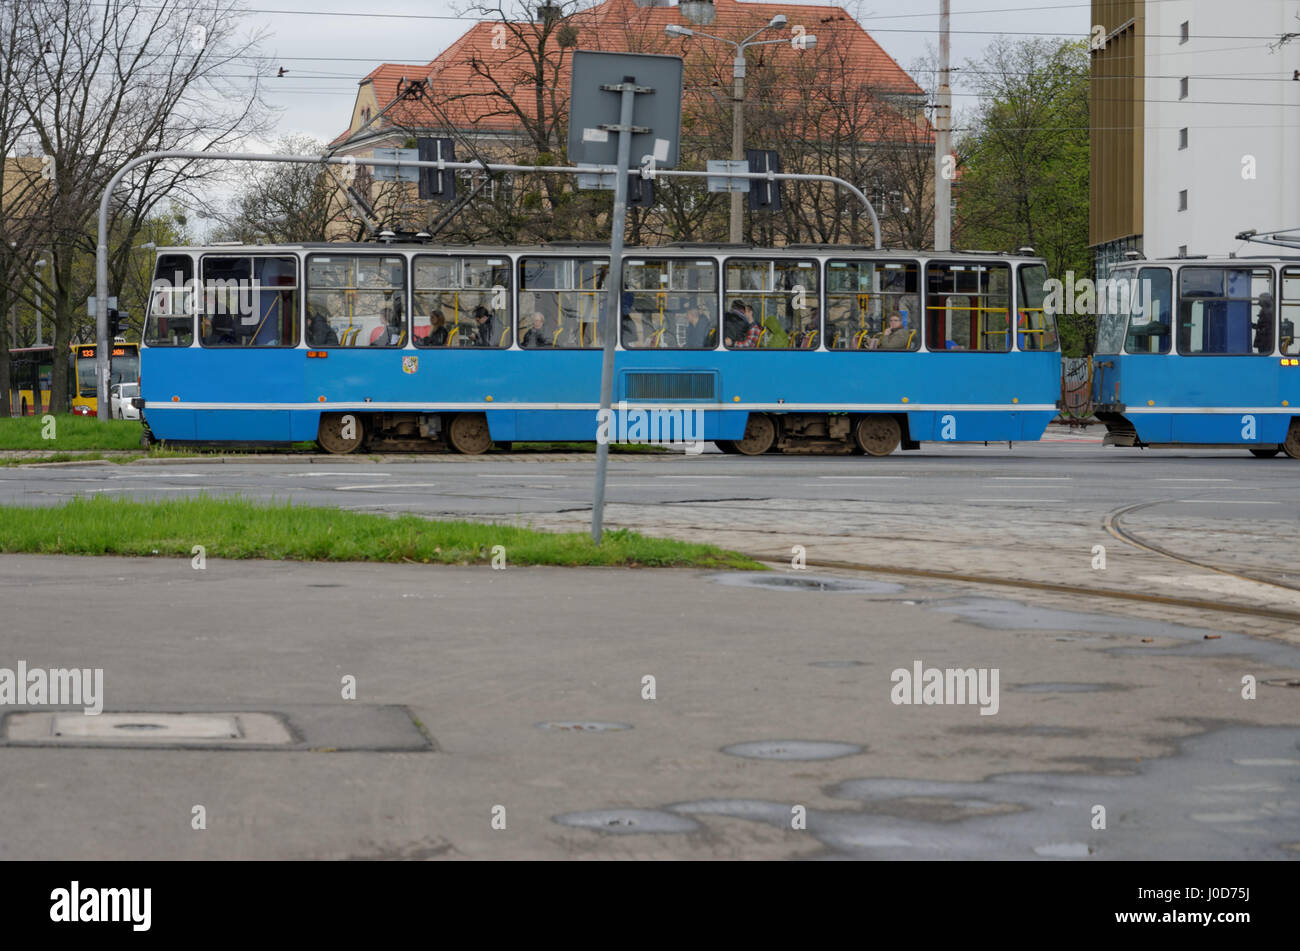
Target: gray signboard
<point x="592" y="109"/>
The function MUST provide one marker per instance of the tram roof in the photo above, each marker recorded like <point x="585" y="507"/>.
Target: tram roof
<point x="681" y="248"/>
<point x="1204" y="259"/>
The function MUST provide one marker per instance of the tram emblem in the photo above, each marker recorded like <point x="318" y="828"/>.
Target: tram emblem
<point x="410" y="364"/>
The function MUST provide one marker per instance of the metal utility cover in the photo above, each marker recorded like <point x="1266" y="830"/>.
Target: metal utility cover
<point x="590" y="107"/>
<point x="326" y="727"/>
<point x="119" y="729"/>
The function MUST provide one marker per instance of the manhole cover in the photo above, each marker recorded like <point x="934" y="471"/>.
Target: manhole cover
<point x="628" y="821"/>
<point x="1064" y="850"/>
<point x="802" y="582"/>
<point x="792" y="749"/>
<point x="116" y="729"/>
<point x="583" y="726"/>
<point x="836" y="664"/>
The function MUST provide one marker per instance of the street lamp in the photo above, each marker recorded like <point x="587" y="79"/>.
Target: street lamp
<point x="800" y="42"/>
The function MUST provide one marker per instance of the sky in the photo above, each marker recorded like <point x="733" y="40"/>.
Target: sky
<point x="327" y="46"/>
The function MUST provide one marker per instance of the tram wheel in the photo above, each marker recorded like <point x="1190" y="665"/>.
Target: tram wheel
<point x="1264" y="453"/>
<point x="1292" y="445"/>
<point x="760" y="434"/>
<point x="469" y="434"/>
<point x="726" y="445"/>
<point x="341" y="433"/>
<point x="877" y="435"/>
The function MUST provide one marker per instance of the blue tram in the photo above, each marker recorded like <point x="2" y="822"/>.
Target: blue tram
<point x="1201" y="352"/>
<point x="410" y="346"/>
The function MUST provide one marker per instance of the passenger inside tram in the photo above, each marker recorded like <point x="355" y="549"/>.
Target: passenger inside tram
<point x="535" y="335"/>
<point x="436" y="333"/>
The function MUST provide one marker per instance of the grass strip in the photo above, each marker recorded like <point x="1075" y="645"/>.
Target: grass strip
<point x="69" y="432"/>
<point x="232" y="527"/>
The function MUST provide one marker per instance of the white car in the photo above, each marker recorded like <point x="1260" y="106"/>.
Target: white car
<point x="121" y="406"/>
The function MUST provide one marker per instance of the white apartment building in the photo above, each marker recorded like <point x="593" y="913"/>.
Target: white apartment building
<point x="1210" y="90"/>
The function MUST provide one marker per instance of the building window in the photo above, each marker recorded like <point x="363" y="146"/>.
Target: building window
<point x="1182" y="200"/>
<point x="1182" y="138"/>
<point x="1182" y="88"/>
<point x="1184" y="32"/>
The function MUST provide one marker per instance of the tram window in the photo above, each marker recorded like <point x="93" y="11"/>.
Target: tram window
<point x="1112" y="321"/>
<point x="356" y="300"/>
<point x="781" y="298"/>
<point x="561" y="302"/>
<point x="1146" y="303"/>
<point x="967" y="307"/>
<point x="670" y="303"/>
<point x="1035" y="314"/>
<point x="862" y="300"/>
<point x="1226" y="311"/>
<point x="249" y="301"/>
<point x="1290" y="313"/>
<point x="461" y="302"/>
<point x="171" y="304"/>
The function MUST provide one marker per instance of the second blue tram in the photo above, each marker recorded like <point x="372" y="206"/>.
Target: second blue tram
<point x="399" y="346"/>
<point x="1202" y="352"/>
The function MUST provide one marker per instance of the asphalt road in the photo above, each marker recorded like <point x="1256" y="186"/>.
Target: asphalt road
<point x="525" y="688"/>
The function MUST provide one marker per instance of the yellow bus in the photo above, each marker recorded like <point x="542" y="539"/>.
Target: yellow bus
<point x="31" y="371"/>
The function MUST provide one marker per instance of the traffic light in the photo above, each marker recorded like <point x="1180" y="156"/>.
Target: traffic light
<point x="435" y="183"/>
<point x="763" y="195"/>
<point x="640" y="191"/>
<point x="117" y="320"/>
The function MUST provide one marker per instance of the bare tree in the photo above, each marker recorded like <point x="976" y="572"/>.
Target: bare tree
<point x="283" y="204"/>
<point x="102" y="84"/>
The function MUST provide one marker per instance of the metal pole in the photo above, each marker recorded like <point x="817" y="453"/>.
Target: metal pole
<point x="737" y="137"/>
<point x="38" y="312"/>
<point x="101" y="253"/>
<point x="614" y="301"/>
<point x="943" y="142"/>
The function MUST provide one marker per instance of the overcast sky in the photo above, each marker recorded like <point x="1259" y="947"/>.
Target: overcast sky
<point x="326" y="55"/>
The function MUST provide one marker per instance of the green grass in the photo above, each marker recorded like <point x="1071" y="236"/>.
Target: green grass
<point x="239" y="528"/>
<point x="70" y="432"/>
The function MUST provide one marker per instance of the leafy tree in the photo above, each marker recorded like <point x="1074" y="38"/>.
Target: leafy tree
<point x="1023" y="158"/>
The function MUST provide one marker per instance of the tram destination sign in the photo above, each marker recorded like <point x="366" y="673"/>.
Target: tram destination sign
<point x="593" y="109"/>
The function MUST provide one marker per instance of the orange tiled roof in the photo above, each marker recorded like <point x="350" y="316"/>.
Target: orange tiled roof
<point x="465" y="94"/>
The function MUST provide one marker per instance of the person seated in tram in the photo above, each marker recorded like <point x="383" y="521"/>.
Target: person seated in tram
<point x="535" y="336"/>
<point x="895" y="337"/>
<point x="698" y="330"/>
<point x="320" y="333"/>
<point x="775" y="336"/>
<point x="806" y="338"/>
<point x="485" y="328"/>
<point x="735" y="326"/>
<point x="437" y="335"/>
<point x="389" y="333"/>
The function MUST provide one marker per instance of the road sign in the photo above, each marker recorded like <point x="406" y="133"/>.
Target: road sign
<point x="593" y="110"/>
<point x="90" y="305"/>
<point x="595" y="179"/>
<point x="623" y="108"/>
<point x="437" y="183"/>
<point x="721" y="166"/>
<point x="764" y="196"/>
<point x="390" y="173"/>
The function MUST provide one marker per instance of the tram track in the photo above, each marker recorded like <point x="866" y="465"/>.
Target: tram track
<point x="1111" y="523"/>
